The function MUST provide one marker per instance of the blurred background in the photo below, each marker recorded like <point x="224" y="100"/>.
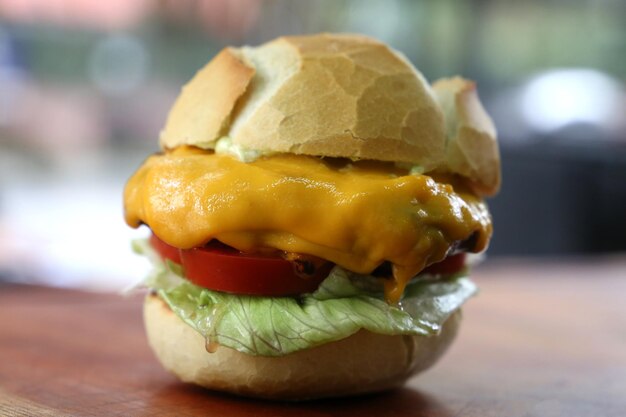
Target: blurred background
<point x="85" y="87"/>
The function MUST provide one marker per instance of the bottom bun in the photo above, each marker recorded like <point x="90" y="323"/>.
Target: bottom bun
<point x="362" y="363"/>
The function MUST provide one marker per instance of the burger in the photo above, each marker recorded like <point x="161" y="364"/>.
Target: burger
<point x="310" y="211"/>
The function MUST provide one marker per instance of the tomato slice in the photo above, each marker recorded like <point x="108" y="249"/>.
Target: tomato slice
<point x="450" y="265"/>
<point x="166" y="251"/>
<point x="222" y="268"/>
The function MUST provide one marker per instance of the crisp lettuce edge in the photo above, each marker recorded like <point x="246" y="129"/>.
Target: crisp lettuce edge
<point x="277" y="326"/>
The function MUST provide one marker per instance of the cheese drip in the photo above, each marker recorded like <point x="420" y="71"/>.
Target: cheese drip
<point x="357" y="215"/>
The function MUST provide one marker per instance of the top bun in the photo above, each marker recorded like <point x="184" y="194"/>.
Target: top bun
<point x="333" y="95"/>
<point x="471" y="146"/>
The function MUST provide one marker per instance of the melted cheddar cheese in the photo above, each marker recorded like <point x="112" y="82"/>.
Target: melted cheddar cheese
<point x="357" y="215"/>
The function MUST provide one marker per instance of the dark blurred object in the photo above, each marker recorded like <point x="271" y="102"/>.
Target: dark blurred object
<point x="561" y="199"/>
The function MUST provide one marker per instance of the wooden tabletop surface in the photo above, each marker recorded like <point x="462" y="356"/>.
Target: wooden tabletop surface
<point x="541" y="339"/>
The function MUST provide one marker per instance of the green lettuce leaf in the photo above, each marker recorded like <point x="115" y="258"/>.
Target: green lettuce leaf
<point x="275" y="326"/>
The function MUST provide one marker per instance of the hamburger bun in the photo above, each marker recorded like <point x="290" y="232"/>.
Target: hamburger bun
<point x="362" y="363"/>
<point x="344" y="96"/>
<point x="472" y="148"/>
<point x="338" y="96"/>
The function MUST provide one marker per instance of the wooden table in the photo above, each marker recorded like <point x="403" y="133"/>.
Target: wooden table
<point x="542" y="339"/>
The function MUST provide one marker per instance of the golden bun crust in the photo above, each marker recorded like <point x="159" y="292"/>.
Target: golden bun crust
<point x="206" y="103"/>
<point x="336" y="95"/>
<point x="326" y="95"/>
<point x="364" y="362"/>
<point x="472" y="148"/>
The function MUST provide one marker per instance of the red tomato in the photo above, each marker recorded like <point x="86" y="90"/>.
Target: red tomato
<point x="219" y="267"/>
<point x="450" y="265"/>
<point x="166" y="251"/>
<point x="222" y="268"/>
